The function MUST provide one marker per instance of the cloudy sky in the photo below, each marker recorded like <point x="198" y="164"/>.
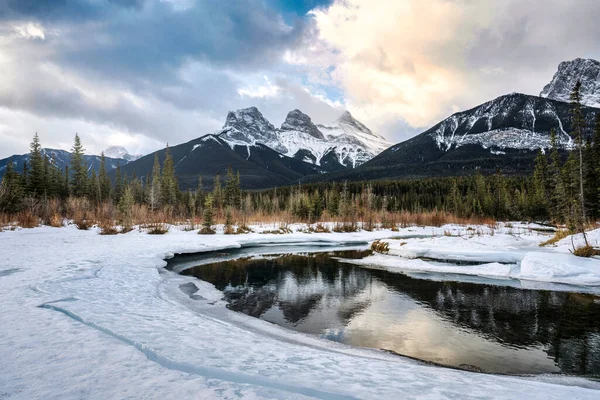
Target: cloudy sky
<point x="141" y="73"/>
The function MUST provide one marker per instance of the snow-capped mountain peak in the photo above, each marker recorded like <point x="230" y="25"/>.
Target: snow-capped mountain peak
<point x="120" y="152"/>
<point x="248" y="126"/>
<point x="587" y="71"/>
<point x="344" y="143"/>
<point x="296" y="120"/>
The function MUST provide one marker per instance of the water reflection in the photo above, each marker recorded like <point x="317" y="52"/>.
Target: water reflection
<point x="467" y="325"/>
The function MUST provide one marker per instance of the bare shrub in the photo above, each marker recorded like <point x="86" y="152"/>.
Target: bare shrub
<point x="586" y="251"/>
<point x="157" y="228"/>
<point x="380" y="247"/>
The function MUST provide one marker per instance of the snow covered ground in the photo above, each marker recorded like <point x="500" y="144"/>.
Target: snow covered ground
<point x="90" y="316"/>
<point x="509" y="254"/>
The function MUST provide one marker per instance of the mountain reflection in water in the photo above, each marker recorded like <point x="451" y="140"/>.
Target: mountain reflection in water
<point x="473" y="326"/>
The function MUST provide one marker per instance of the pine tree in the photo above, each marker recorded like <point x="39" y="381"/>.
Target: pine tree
<point x="228" y="222"/>
<point x="169" y="182"/>
<point x="208" y="216"/>
<point x="541" y="185"/>
<point x="558" y="195"/>
<point x="119" y="183"/>
<point x="154" y="189"/>
<point x="217" y="193"/>
<point x="578" y="125"/>
<point x="104" y="180"/>
<point x="232" y="194"/>
<point x="36" y="177"/>
<point x="79" y="179"/>
<point x="11" y="190"/>
<point x="126" y="204"/>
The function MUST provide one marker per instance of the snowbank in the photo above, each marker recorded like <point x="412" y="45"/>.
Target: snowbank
<point x="500" y="256"/>
<point x="90" y="316"/>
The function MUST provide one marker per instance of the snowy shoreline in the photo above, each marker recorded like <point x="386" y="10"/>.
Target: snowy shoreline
<point x="90" y="316"/>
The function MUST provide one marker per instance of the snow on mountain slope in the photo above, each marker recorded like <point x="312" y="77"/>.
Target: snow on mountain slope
<point x="514" y="121"/>
<point x="61" y="159"/>
<point x="346" y="142"/>
<point x="248" y="127"/>
<point x="586" y="71"/>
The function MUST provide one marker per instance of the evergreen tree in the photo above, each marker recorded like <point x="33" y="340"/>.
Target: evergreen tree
<point x="11" y="190"/>
<point x="169" y="182"/>
<point x="228" y="222"/>
<point x="126" y="204"/>
<point x="208" y="216"/>
<point x="154" y="189"/>
<point x="119" y="183"/>
<point x="104" y="180"/>
<point x="232" y="194"/>
<point x="217" y="193"/>
<point x="79" y="184"/>
<point x="558" y="199"/>
<point x="541" y="184"/>
<point x="578" y="125"/>
<point x="36" y="177"/>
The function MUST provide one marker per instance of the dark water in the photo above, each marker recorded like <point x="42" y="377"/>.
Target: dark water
<point x="471" y="326"/>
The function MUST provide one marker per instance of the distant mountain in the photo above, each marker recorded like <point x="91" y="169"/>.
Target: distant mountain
<point x="259" y="166"/>
<point x="503" y="134"/>
<point x="345" y="143"/>
<point x="569" y="72"/>
<point x="266" y="156"/>
<point x="60" y="158"/>
<point x="120" y="152"/>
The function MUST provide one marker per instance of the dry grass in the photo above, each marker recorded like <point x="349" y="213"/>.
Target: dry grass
<point x="559" y="235"/>
<point x="380" y="247"/>
<point x="108" y="230"/>
<point x="26" y="219"/>
<point x="241" y="230"/>
<point x="56" y="221"/>
<point x="206" y="231"/>
<point x="319" y="228"/>
<point x="345" y="227"/>
<point x="280" y="231"/>
<point x="586" y="251"/>
<point x="157" y="228"/>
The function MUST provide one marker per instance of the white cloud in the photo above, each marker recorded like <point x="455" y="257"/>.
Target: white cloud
<point x="30" y="30"/>
<point x="418" y="61"/>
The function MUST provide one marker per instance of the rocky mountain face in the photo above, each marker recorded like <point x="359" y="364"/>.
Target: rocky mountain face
<point x="345" y="143"/>
<point x="586" y="71"/>
<point x="503" y="134"/>
<point x="266" y="156"/>
<point x="120" y="152"/>
<point x="61" y="158"/>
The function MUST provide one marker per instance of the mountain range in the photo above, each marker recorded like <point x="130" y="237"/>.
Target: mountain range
<point x="502" y="134"/>
<point x="267" y="156"/>
<point x="62" y="158"/>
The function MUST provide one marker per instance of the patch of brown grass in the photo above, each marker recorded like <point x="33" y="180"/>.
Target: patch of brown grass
<point x="108" y="230"/>
<point x="559" y="235"/>
<point x="56" y="221"/>
<point x="206" y="231"/>
<point x="380" y="247"/>
<point x="26" y="219"/>
<point x="83" y="224"/>
<point x="586" y="251"/>
<point x="319" y="228"/>
<point x="157" y="229"/>
<point x="243" y="230"/>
